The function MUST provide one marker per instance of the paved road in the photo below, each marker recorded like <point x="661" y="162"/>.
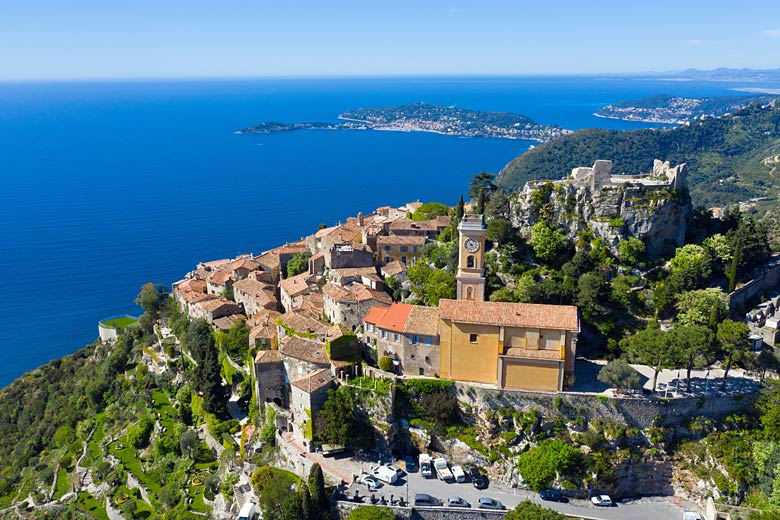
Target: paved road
<point x="645" y="509"/>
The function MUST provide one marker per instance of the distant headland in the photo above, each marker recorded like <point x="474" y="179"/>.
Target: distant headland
<point x="424" y="117"/>
<point x="678" y="110"/>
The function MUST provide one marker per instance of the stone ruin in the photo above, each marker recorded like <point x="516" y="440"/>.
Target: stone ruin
<point x="600" y="175"/>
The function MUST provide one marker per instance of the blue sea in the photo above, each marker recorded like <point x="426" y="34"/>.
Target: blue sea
<point x="107" y="185"/>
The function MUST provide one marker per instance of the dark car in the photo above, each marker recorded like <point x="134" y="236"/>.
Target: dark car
<point x="553" y="495"/>
<point x="478" y="479"/>
<point x="410" y="464"/>
<point x="423" y="499"/>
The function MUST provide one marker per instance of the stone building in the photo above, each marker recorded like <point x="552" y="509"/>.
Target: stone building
<point x="270" y="378"/>
<point x="254" y="296"/>
<point x="406" y="249"/>
<point x="348" y="255"/>
<point x="406" y="333"/>
<point x="302" y="356"/>
<point x="307" y="396"/>
<point x="219" y="282"/>
<point x="263" y="332"/>
<point x="293" y="290"/>
<point x="211" y="308"/>
<point x="348" y="305"/>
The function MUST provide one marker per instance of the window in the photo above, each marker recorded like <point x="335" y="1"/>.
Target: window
<point x="396" y="337"/>
<point x="422" y="371"/>
<point x="384" y="334"/>
<point x="411" y="357"/>
<point x="403" y="259"/>
<point x="470" y="261"/>
<point x="404" y="249"/>
<point x="428" y="341"/>
<point x="388" y="259"/>
<point x="414" y="340"/>
<point x="387" y="248"/>
<point x="472" y="338"/>
<point x="427" y="360"/>
<point x="470" y="293"/>
<point x="414" y="249"/>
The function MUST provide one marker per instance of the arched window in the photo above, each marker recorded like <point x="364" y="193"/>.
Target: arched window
<point x="470" y="292"/>
<point x="470" y="261"/>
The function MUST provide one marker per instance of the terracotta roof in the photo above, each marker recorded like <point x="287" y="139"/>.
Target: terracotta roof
<point x="226" y="322"/>
<point x="219" y="277"/>
<point x="200" y="274"/>
<point x="423" y="321"/>
<point x="296" y="285"/>
<point x="400" y="241"/>
<point x="214" y="264"/>
<point x="192" y="297"/>
<point x="268" y="357"/>
<point x="292" y="248"/>
<point x="216" y="303"/>
<point x="525" y="353"/>
<point x="255" y="289"/>
<point x="314" y="381"/>
<point x="324" y="231"/>
<point x="355" y="292"/>
<point x="317" y="256"/>
<point x="304" y="349"/>
<point x="243" y="263"/>
<point x="389" y="318"/>
<point x="405" y="224"/>
<point x="270" y="261"/>
<point x="301" y="323"/>
<point x="192" y="285"/>
<point x="529" y="315"/>
<point x="336" y="292"/>
<point x="393" y="268"/>
<point x="352" y="271"/>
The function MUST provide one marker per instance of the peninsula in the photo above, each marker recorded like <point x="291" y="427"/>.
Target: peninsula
<point x="677" y="110"/>
<point x="424" y="117"/>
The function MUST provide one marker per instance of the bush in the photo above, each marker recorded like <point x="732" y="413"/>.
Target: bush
<point x="539" y="466"/>
<point x="371" y="513"/>
<point x="426" y="386"/>
<point x="386" y="363"/>
<point x="138" y="435"/>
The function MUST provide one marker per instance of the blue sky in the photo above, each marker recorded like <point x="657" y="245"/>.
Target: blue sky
<point x="52" y="39"/>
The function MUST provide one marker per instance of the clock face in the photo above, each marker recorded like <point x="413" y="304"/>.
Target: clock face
<point x="471" y="245"/>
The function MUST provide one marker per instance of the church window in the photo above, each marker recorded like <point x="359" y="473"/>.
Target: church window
<point x="472" y="338"/>
<point x="470" y="261"/>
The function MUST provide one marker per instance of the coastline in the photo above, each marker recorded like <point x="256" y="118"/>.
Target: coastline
<point x="641" y="120"/>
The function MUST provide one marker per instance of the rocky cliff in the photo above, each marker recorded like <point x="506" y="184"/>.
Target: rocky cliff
<point x="657" y="215"/>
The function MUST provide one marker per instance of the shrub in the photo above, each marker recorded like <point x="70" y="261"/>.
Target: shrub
<point x="539" y="465"/>
<point x="386" y="363"/>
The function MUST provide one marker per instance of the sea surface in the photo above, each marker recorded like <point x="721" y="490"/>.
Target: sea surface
<point x="107" y="185"/>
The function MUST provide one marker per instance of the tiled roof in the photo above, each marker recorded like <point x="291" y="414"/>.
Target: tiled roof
<point x="406" y="225"/>
<point x="400" y="241"/>
<point x="270" y="261"/>
<point x="217" y="303"/>
<point x="268" y="357"/>
<point x="394" y="268"/>
<point x="524" y="353"/>
<point x="243" y="263"/>
<point x="314" y="381"/>
<point x="214" y="264"/>
<point x="389" y="318"/>
<point x="257" y="290"/>
<point x="219" y="277"/>
<point x="304" y="349"/>
<point x="226" y="322"/>
<point x="423" y="321"/>
<point x="190" y="285"/>
<point x="303" y="324"/>
<point x="296" y="285"/>
<point x="529" y="315"/>
<point x="192" y="297"/>
<point x="352" y="271"/>
<point x="292" y="248"/>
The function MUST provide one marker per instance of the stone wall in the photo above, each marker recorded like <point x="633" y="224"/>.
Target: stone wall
<point x="641" y="412"/>
<point x="766" y="277"/>
<point x="342" y="510"/>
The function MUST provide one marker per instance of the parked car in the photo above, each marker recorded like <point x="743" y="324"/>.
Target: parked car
<point x="371" y="481"/>
<point x="691" y="515"/>
<point x="457" y="502"/>
<point x="458" y="474"/>
<point x="478" y="479"/>
<point x="552" y="495"/>
<point x="398" y="471"/>
<point x="410" y="464"/>
<point x="423" y="499"/>
<point x="602" y="501"/>
<point x="385" y="474"/>
<point x="490" y="503"/>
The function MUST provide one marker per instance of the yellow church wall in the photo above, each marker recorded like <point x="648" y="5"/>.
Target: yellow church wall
<point x="463" y="360"/>
<point x="530" y="376"/>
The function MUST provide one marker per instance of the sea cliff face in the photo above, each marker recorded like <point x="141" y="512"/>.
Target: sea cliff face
<point x="657" y="216"/>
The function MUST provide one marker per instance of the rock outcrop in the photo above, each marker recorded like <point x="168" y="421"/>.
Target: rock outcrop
<point x="654" y="208"/>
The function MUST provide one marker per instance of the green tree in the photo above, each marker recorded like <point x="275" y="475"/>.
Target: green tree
<point x="188" y="442"/>
<point x="316" y="488"/>
<point x="298" y="264"/>
<point x="696" y="307"/>
<point x="129" y="508"/>
<point x="371" y="513"/>
<point x="693" y="263"/>
<point x="527" y="510"/>
<point x="733" y="343"/>
<point x="498" y="206"/>
<point x="691" y="343"/>
<point x="539" y="466"/>
<point x="151" y="300"/>
<point x="457" y="216"/>
<point x="632" y="251"/>
<point x="341" y="421"/>
<point x="769" y="405"/>
<point x="548" y="242"/>
<point x="480" y="187"/>
<point x="619" y="374"/>
<point x="440" y="284"/>
<point x="206" y="374"/>
<point x="592" y="295"/>
<point x="499" y="230"/>
<point x="651" y="347"/>
<point x="308" y="511"/>
<point x="237" y="340"/>
<point x="430" y="210"/>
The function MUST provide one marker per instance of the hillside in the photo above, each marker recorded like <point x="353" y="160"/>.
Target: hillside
<point x="726" y="155"/>
<point x="677" y="110"/>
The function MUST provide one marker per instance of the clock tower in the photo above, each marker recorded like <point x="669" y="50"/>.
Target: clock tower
<point x="471" y="258"/>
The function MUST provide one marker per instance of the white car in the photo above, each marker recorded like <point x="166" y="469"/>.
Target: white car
<point x="371" y="481"/>
<point x="602" y="501"/>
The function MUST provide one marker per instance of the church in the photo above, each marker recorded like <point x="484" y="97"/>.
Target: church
<point x="512" y="346"/>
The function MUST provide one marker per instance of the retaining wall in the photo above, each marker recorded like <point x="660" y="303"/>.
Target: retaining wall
<point x="766" y="277"/>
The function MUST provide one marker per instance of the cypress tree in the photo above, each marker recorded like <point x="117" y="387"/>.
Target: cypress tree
<point x="316" y="487"/>
<point x="308" y="509"/>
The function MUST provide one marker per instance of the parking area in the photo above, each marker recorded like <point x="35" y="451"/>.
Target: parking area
<point x="409" y="484"/>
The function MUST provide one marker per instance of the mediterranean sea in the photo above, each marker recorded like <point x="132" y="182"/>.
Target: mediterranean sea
<point x="107" y="185"/>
